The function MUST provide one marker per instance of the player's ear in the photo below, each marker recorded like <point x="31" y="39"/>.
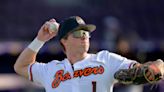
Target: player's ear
<point x="63" y="41"/>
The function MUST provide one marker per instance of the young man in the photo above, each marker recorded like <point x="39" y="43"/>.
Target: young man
<point x="80" y="71"/>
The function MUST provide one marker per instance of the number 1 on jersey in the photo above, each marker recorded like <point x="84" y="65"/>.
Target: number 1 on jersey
<point x="94" y="86"/>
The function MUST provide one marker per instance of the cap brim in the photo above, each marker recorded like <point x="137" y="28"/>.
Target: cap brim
<point x="87" y="27"/>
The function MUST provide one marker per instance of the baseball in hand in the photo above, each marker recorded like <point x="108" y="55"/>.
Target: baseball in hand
<point x="53" y="27"/>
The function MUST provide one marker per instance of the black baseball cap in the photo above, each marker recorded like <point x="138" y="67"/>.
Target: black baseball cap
<point x="72" y="24"/>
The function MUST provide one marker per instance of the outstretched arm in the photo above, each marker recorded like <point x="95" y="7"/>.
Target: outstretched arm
<point x="150" y="72"/>
<point x="28" y="56"/>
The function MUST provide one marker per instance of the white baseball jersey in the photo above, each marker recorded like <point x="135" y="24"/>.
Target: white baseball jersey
<point x="95" y="73"/>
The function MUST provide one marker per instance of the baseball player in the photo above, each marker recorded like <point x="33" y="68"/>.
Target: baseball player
<point x="80" y="71"/>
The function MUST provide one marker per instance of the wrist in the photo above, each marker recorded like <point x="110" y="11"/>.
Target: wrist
<point x="40" y="38"/>
<point x="35" y="45"/>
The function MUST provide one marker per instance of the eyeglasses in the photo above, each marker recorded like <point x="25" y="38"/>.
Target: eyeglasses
<point x="80" y="34"/>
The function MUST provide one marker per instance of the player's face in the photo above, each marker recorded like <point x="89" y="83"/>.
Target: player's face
<point x="78" y="40"/>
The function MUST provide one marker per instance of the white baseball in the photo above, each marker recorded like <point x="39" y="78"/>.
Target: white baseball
<point x="53" y="26"/>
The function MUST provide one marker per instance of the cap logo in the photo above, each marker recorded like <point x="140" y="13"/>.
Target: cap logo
<point x="79" y="20"/>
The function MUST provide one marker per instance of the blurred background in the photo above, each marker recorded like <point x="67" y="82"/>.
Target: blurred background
<point x="131" y="28"/>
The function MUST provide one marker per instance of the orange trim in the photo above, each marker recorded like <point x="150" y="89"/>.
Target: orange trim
<point x="31" y="76"/>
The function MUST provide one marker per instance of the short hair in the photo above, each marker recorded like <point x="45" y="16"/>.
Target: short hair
<point x="65" y="38"/>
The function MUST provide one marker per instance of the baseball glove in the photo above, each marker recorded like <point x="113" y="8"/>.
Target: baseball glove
<point x="150" y="72"/>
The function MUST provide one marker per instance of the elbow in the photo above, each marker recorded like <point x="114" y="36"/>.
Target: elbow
<point x="21" y="69"/>
<point x="16" y="68"/>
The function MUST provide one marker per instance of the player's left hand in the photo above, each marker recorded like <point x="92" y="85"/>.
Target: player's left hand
<point x="150" y="72"/>
<point x="160" y="64"/>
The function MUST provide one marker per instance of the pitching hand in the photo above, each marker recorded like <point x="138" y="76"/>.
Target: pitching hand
<point x="46" y="32"/>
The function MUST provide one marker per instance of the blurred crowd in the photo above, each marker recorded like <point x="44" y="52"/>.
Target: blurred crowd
<point x="131" y="28"/>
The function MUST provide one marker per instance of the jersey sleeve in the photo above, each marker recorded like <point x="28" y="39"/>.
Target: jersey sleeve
<point x="121" y="62"/>
<point x="116" y="62"/>
<point x="37" y="72"/>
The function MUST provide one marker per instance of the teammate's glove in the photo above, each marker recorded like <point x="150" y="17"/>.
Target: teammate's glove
<point x="149" y="72"/>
